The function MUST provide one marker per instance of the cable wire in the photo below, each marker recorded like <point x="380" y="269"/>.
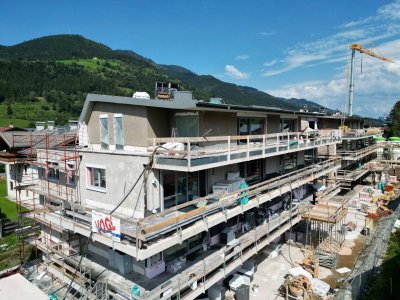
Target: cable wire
<point x="146" y="168"/>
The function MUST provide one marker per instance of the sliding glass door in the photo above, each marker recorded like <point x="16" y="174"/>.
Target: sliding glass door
<point x="179" y="187"/>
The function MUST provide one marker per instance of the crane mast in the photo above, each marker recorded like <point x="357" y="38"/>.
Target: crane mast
<point x="361" y="49"/>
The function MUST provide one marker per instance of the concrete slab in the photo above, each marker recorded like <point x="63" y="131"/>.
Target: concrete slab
<point x="17" y="287"/>
<point x="271" y="272"/>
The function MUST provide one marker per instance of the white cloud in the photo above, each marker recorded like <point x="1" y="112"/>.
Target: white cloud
<point x="333" y="48"/>
<point x="376" y="89"/>
<point x="356" y="22"/>
<point x="242" y="57"/>
<point x="270" y="63"/>
<point x="235" y="73"/>
<point x="268" y="33"/>
<point x="390" y="11"/>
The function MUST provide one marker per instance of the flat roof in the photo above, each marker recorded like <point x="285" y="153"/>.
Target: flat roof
<point x="171" y="104"/>
<point x="18" y="287"/>
<point x="256" y="108"/>
<point x="184" y="103"/>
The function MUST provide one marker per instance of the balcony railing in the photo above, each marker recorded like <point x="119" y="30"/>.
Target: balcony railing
<point x="357" y="154"/>
<point x="362" y="133"/>
<point x="197" y="153"/>
<point x="193" y="217"/>
<point x="351" y="175"/>
<point x="225" y="259"/>
<point x="258" y="193"/>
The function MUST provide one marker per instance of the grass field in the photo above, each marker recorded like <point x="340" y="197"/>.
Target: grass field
<point x="94" y="65"/>
<point x="9" y="245"/>
<point x="4" y="122"/>
<point x="8" y="208"/>
<point x="28" y="111"/>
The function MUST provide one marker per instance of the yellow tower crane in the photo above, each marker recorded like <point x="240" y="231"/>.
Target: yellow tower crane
<point x="361" y="49"/>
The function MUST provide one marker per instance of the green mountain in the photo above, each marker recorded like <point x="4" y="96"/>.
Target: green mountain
<point x="235" y="94"/>
<point x="49" y="77"/>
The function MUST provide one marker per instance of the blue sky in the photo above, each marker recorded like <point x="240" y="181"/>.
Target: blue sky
<point x="286" y="48"/>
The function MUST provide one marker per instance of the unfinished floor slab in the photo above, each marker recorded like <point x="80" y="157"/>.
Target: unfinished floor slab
<point x="17" y="287"/>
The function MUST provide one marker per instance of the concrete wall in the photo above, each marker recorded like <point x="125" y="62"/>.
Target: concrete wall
<point x="273" y="123"/>
<point x="219" y="174"/>
<point x="135" y="123"/>
<point x="328" y="123"/>
<point x="20" y="174"/>
<point x="159" y="122"/>
<point x="122" y="171"/>
<point x="220" y="123"/>
<point x="354" y="124"/>
<point x="300" y="158"/>
<point x="272" y="165"/>
<point x="327" y="150"/>
<point x="98" y="249"/>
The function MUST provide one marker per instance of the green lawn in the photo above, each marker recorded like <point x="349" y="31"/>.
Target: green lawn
<point x="9" y="245"/>
<point x="28" y="112"/>
<point x="10" y="252"/>
<point x="8" y="208"/>
<point x="4" y="122"/>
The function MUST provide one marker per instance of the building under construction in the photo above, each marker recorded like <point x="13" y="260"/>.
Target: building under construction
<point x="164" y="198"/>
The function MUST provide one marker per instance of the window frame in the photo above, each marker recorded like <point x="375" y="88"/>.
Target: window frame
<point x="89" y="176"/>
<point x="116" y="126"/>
<point x="53" y="177"/>
<point x="71" y="174"/>
<point x="104" y="132"/>
<point x="195" y="119"/>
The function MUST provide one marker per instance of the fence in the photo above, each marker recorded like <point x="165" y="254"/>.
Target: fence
<point x="367" y="265"/>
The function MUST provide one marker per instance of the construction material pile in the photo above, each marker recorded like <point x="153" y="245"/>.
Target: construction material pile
<point x="374" y="200"/>
<point x="302" y="282"/>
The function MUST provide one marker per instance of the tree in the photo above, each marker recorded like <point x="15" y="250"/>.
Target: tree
<point x="9" y="109"/>
<point x="394" y="120"/>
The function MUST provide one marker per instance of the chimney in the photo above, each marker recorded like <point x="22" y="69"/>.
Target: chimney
<point x="39" y="126"/>
<point x="50" y="125"/>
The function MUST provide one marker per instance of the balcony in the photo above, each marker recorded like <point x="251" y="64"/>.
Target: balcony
<point x="24" y="180"/>
<point x="217" y="265"/>
<point x="199" y="153"/>
<point x="351" y="175"/>
<point x="354" y="134"/>
<point x="357" y="154"/>
<point x="186" y="220"/>
<point x="205" y="268"/>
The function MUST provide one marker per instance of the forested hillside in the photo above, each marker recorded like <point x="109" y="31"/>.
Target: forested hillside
<point x="48" y="79"/>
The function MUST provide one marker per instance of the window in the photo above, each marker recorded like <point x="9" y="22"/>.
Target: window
<point x="11" y="185"/>
<point x="251" y="171"/>
<point x="250" y="126"/>
<point x="53" y="173"/>
<point x="179" y="187"/>
<point x="287" y="125"/>
<point x="288" y="162"/>
<point x="118" y="132"/>
<point x="70" y="173"/>
<point x="104" y="138"/>
<point x="187" y="125"/>
<point x="96" y="178"/>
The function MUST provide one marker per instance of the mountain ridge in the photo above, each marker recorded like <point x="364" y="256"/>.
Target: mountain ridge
<point x="54" y="59"/>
